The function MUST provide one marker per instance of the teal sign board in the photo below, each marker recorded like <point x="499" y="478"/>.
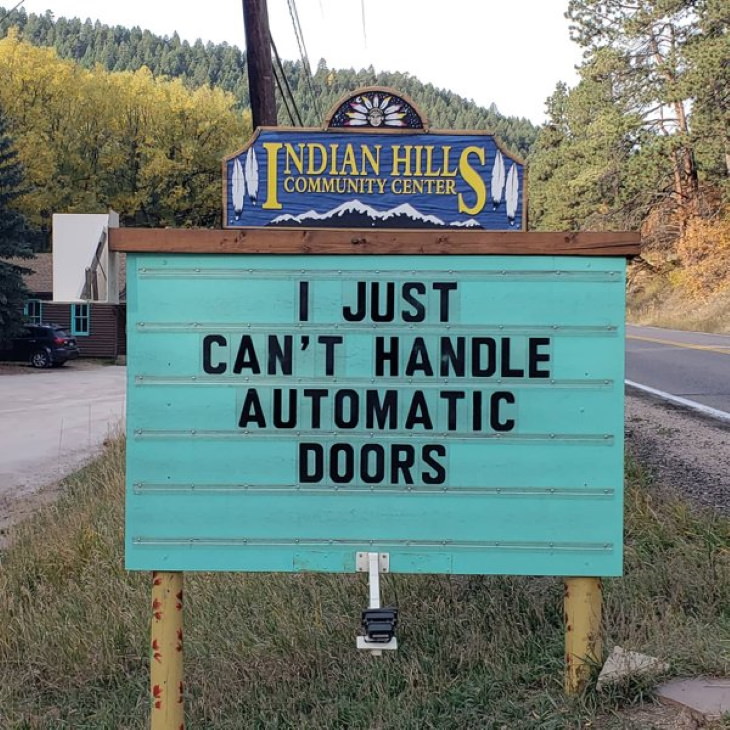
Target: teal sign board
<point x="375" y="165"/>
<point x="463" y="414"/>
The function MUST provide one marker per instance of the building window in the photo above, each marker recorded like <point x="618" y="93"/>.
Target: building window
<point x="33" y="311"/>
<point x="80" y="319"/>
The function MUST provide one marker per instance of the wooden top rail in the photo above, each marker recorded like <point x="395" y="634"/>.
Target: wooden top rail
<point x="380" y="242"/>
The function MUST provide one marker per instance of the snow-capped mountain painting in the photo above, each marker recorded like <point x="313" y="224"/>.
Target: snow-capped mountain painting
<point x="355" y="214"/>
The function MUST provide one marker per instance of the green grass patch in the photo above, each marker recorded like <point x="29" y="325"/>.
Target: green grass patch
<point x="277" y="651"/>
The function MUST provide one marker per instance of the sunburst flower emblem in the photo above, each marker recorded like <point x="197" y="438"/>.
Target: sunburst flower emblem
<point x="375" y="111"/>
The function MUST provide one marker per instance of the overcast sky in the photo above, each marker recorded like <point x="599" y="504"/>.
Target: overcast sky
<point x="510" y="52"/>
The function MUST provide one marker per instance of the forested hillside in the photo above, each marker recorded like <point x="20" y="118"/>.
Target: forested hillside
<point x="110" y="116"/>
<point x="642" y="143"/>
<point x="89" y="139"/>
<point x="224" y="66"/>
<point x="120" y="117"/>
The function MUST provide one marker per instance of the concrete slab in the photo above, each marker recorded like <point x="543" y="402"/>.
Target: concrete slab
<point x="622" y="663"/>
<point x="705" y="696"/>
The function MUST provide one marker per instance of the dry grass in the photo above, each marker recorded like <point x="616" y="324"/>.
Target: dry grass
<point x="686" y="285"/>
<point x="277" y="651"/>
<point x="661" y="305"/>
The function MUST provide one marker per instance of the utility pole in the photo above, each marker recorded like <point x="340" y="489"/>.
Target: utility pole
<point x="258" y="60"/>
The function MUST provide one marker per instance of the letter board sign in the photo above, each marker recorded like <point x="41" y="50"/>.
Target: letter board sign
<point x="462" y="413"/>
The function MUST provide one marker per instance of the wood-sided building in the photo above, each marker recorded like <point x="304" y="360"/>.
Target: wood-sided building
<point x="99" y="327"/>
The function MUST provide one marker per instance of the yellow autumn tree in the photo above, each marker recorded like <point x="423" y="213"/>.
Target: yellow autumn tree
<point x="32" y="98"/>
<point x="168" y="144"/>
<point x="704" y="254"/>
<point x="91" y="139"/>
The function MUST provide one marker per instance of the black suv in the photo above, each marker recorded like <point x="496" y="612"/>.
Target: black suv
<point x="42" y="345"/>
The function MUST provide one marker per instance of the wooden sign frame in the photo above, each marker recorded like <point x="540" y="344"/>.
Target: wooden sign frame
<point x="381" y="242"/>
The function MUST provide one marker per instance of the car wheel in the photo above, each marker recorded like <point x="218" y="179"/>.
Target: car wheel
<point x="40" y="359"/>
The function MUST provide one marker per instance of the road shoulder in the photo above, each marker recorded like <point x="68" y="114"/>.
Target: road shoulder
<point x="684" y="451"/>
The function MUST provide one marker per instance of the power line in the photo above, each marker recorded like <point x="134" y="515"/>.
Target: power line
<point x="11" y="10"/>
<point x="298" y="32"/>
<point x="286" y="81"/>
<point x="364" y="31"/>
<point x="283" y="98"/>
<point x="303" y="54"/>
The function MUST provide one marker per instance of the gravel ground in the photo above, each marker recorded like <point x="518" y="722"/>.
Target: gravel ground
<point x="23" y="368"/>
<point x="684" y="451"/>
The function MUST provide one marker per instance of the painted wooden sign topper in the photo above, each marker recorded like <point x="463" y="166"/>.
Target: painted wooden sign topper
<point x="374" y="165"/>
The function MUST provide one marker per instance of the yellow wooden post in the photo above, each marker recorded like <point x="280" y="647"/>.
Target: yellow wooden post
<point x="582" y="605"/>
<point x="166" y="656"/>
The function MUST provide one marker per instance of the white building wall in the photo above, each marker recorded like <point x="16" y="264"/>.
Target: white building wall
<point x="75" y="241"/>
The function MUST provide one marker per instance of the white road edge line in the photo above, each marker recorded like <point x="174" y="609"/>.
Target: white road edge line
<point x="714" y="412"/>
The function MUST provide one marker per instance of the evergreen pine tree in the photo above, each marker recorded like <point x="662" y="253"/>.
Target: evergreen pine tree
<point x="15" y="238"/>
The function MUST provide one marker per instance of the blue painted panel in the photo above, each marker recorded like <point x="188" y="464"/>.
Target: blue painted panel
<point x="305" y="177"/>
<point x="462" y="414"/>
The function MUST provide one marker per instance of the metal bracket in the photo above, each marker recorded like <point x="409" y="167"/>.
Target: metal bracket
<point x="376" y="622"/>
<point x="362" y="562"/>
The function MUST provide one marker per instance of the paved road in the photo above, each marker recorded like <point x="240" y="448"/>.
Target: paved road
<point x="52" y="421"/>
<point x="690" y="366"/>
